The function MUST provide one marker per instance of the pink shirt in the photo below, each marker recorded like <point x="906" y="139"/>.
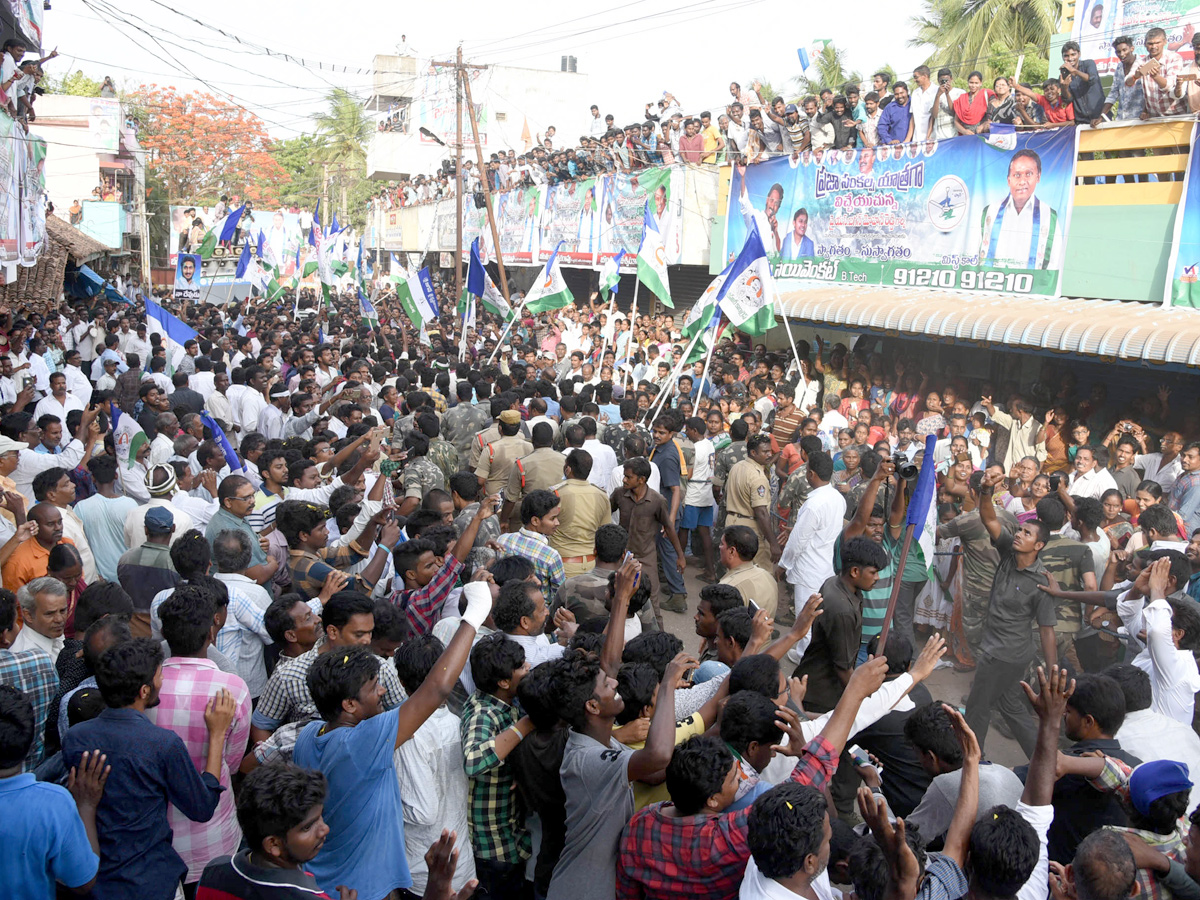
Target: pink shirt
<point x="188" y="685"/>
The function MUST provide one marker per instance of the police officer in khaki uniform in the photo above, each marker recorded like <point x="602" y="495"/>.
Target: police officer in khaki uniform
<point x="748" y="498"/>
<point x="585" y="510"/>
<point x="496" y="461"/>
<point x="739" y="547"/>
<point x="540" y="470"/>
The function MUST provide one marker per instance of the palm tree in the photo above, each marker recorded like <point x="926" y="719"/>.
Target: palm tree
<point x="966" y="34"/>
<point x="830" y="73"/>
<point x="766" y="91"/>
<point x="343" y="130"/>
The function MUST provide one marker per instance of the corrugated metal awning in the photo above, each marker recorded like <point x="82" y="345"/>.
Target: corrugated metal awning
<point x="1107" y="330"/>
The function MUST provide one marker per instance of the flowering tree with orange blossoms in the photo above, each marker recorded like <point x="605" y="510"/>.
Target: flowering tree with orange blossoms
<point x="201" y="146"/>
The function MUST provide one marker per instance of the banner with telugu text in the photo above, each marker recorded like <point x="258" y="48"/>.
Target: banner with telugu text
<point x="977" y="213"/>
<point x="1098" y="22"/>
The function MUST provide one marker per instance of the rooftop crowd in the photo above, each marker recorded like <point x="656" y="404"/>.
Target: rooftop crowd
<point x="405" y="637"/>
<point x="751" y="128"/>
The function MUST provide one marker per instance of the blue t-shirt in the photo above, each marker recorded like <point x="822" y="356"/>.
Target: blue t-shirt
<point x="42" y="840"/>
<point x="666" y="457"/>
<point x="365" y="847"/>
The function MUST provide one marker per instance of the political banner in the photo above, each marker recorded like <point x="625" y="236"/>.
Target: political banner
<point x="571" y="215"/>
<point x="622" y="199"/>
<point x="187" y="277"/>
<point x="977" y="213"/>
<point x="1098" y="22"/>
<point x="1182" y="288"/>
<point x="518" y="219"/>
<point x="282" y="230"/>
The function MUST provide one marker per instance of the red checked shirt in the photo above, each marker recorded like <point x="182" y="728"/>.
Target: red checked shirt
<point x="667" y="857"/>
<point x="423" y="606"/>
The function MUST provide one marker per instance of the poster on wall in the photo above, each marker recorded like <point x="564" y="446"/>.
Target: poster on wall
<point x="976" y="213"/>
<point x="623" y="200"/>
<point x="570" y="215"/>
<point x="1098" y="22"/>
<point x="1182" y="287"/>
<point x="518" y="216"/>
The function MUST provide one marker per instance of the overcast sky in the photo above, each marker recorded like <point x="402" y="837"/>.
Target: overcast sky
<point x="631" y="50"/>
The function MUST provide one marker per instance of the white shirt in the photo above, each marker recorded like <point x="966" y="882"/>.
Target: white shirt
<point x="757" y="886"/>
<point x="50" y="406"/>
<point x="200" y="510"/>
<point x="1093" y="484"/>
<point x="699" y="486"/>
<point x="135" y="522"/>
<point x="1174" y="677"/>
<point x="31" y="464"/>
<point x="808" y="555"/>
<point x="78" y="385"/>
<point x="920" y="101"/>
<point x="203" y="383"/>
<point x="1149" y="736"/>
<point x="1153" y="469"/>
<point x="28" y="639"/>
<point x="73" y="531"/>
<point x="538" y="648"/>
<point x="604" y="461"/>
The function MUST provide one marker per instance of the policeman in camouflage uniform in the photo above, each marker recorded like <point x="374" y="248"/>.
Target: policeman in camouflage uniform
<point x="421" y="475"/>
<point x="402" y="427"/>
<point x="795" y="490"/>
<point x="497" y="460"/>
<point x="441" y="453"/>
<point x="467" y="494"/>
<point x="463" y="421"/>
<point x="614" y="435"/>
<point x="486" y="435"/>
<point x="724" y="460"/>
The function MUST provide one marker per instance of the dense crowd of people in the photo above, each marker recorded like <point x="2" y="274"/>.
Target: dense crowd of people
<point x="356" y="609"/>
<point x="751" y="127"/>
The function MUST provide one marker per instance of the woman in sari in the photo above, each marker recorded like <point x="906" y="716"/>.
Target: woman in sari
<point x="1056" y="446"/>
<point x="1001" y="106"/>
<point x="1116" y="524"/>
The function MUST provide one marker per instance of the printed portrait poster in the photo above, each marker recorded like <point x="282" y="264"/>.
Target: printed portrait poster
<point x="187" y="278"/>
<point x="1098" y="22"/>
<point x="977" y="213"/>
<point x="518" y="217"/>
<point x="1183" y="287"/>
<point x="570" y="215"/>
<point x="623" y="200"/>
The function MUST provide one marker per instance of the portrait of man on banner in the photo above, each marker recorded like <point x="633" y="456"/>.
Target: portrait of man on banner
<point x="1021" y="232"/>
<point x="187" y="277"/>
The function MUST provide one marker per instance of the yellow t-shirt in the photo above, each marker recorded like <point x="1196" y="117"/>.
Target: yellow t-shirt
<point x="712" y="136"/>
<point x="645" y="794"/>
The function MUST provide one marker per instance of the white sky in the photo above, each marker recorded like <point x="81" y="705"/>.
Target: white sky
<point x="632" y="49"/>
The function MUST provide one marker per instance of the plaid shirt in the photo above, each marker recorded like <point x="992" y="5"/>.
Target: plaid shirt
<point x="287" y="698"/>
<point x="1161" y="101"/>
<point x="188" y="685"/>
<point x="662" y="856"/>
<point x="497" y="819"/>
<point x="32" y="672"/>
<point x="546" y="560"/>
<point x="423" y="605"/>
<point x="244" y="637"/>
<point x="1114" y="778"/>
<point x="309" y="570"/>
<point x="1185" y="499"/>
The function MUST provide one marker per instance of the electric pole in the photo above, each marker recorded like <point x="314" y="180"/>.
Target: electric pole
<point x="458" y="175"/>
<point x="487" y="188"/>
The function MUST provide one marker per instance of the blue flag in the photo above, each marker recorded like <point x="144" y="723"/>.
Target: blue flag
<point x="333" y="225"/>
<point x="262" y="239"/>
<point x="218" y="436"/>
<point x="231" y="223"/>
<point x="243" y="261"/>
<point x="475" y="272"/>
<point x="316" y="223"/>
<point x="922" y="497"/>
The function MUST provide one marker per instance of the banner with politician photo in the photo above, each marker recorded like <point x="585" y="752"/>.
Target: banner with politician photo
<point x="1182" y="287"/>
<point x="1099" y="22"/>
<point x="187" y="278"/>
<point x="977" y="213"/>
<point x="571" y="215"/>
<point x="518" y="219"/>
<point x="622" y="200"/>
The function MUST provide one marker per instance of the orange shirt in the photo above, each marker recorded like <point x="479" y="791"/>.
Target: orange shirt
<point x="27" y="563"/>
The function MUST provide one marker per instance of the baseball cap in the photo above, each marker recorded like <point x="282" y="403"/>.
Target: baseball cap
<point x="510" y="417"/>
<point x="159" y="520"/>
<point x="1155" y="779"/>
<point x="791" y="108"/>
<point x="8" y="445"/>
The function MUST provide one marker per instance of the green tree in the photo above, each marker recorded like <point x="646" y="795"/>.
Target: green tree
<point x="343" y="130"/>
<point x="766" y="91"/>
<point x="978" y="34"/>
<point x="830" y="73"/>
<point x="300" y="157"/>
<point x="74" y="83"/>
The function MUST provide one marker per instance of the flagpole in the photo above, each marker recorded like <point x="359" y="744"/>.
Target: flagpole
<point x="791" y="340"/>
<point x="507" y="328"/>
<point x="896" y="585"/>
<point x="707" y="360"/>
<point x="658" y="405"/>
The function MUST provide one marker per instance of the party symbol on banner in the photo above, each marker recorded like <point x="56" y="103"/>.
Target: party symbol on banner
<point x="948" y="203"/>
